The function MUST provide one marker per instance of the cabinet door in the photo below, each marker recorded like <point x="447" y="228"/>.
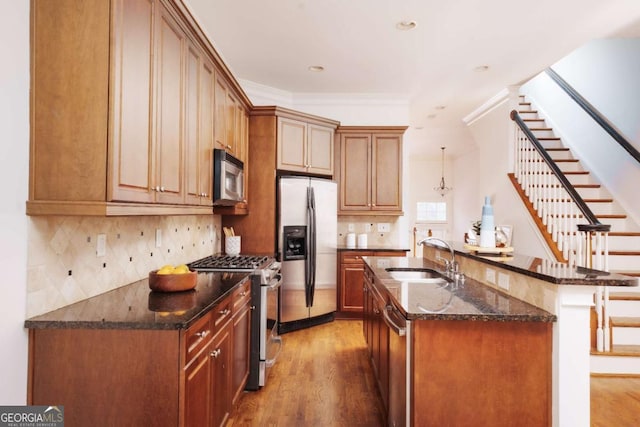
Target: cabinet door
<point x="220" y="103"/>
<point x="320" y="149"/>
<point x="352" y="282"/>
<point x="206" y="141"/>
<point x="386" y="165"/>
<point x="131" y="137"/>
<point x="291" y="145"/>
<point x="355" y="172"/>
<point x="241" y="332"/>
<point x="220" y="376"/>
<point x="231" y="125"/>
<point x="192" y="122"/>
<point x="169" y="171"/>
<point x="197" y="389"/>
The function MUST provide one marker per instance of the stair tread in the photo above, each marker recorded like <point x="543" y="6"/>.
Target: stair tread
<point x="624" y="296"/>
<point x="619" y="350"/>
<point x="624" y="233"/>
<point x="627" y="272"/>
<point x="586" y="186"/>
<point x="624" y="321"/>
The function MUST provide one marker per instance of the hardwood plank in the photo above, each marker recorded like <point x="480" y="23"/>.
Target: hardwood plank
<point x="323" y="377"/>
<point x="615" y="401"/>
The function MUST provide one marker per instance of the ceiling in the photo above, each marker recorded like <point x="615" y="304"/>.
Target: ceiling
<point x="433" y="67"/>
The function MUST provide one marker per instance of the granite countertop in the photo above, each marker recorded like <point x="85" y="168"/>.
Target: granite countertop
<point x="468" y="301"/>
<point x="135" y="306"/>
<point x="372" y="248"/>
<point x="549" y="271"/>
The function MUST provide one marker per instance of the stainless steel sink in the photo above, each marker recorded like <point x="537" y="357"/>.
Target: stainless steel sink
<point x="416" y="274"/>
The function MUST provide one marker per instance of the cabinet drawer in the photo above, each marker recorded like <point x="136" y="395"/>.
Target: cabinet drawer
<point x="241" y="296"/>
<point x="221" y="313"/>
<point x="354" y="257"/>
<point x="198" y="336"/>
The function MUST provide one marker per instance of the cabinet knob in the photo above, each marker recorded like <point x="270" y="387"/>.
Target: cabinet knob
<point x="228" y="147"/>
<point x="215" y="353"/>
<point x="225" y="312"/>
<point x="374" y="205"/>
<point x="162" y="189"/>
<point x="243" y="293"/>
<point x="202" y="334"/>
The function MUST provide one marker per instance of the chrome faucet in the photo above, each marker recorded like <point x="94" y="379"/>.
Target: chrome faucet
<point x="450" y="266"/>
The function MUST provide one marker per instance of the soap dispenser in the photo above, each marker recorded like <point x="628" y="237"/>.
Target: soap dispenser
<point x="487" y="228"/>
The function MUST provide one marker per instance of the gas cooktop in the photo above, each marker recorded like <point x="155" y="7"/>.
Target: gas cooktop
<point x="230" y="263"/>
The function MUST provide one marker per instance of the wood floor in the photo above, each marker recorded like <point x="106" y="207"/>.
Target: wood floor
<point x="323" y="378"/>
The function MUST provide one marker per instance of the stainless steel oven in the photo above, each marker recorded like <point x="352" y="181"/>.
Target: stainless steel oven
<point x="265" y="343"/>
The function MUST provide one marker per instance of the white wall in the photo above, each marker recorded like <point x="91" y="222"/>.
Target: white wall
<point x="14" y="141"/>
<point x="485" y="168"/>
<point x="611" y="165"/>
<point x="613" y="68"/>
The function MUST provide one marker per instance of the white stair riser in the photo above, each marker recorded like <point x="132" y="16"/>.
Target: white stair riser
<point x="526" y="113"/>
<point x="570" y="166"/>
<point x="629" y="263"/>
<point x="561" y="155"/>
<point x="538" y="132"/>
<point x="624" y="243"/>
<point x="615" y="364"/>
<point x="624" y="308"/>
<point x="604" y="208"/>
<point x="625" y="336"/>
<point x="592" y="193"/>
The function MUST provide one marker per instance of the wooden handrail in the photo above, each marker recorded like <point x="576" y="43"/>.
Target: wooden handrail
<point x="594" y="113"/>
<point x="594" y="224"/>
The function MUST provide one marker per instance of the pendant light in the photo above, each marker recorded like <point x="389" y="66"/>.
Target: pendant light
<point x="442" y="188"/>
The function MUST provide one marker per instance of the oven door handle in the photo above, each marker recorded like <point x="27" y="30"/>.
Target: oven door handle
<point x="270" y="362"/>
<point x="275" y="282"/>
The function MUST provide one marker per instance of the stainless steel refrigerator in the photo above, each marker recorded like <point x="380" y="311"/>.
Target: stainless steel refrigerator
<point x="307" y="241"/>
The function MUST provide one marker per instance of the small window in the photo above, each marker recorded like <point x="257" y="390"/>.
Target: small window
<point x="431" y="212"/>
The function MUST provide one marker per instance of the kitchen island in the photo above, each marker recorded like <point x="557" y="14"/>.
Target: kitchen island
<point x="470" y="355"/>
<point x="132" y="356"/>
<point x="562" y="291"/>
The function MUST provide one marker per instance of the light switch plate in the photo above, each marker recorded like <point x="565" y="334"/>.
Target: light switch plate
<point x="351" y="228"/>
<point x="490" y="275"/>
<point x="101" y="245"/>
<point x="503" y="281"/>
<point x="384" y="227"/>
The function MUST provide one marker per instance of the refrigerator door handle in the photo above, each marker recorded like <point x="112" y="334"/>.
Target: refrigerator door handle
<point x="308" y="258"/>
<point x="313" y="246"/>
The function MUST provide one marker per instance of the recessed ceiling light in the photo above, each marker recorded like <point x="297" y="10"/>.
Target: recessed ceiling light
<point x="481" y="68"/>
<point x="316" y="68"/>
<point x="431" y="116"/>
<point x="440" y="107"/>
<point x="406" y="25"/>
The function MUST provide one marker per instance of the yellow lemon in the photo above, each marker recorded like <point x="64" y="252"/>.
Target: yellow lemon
<point x="181" y="269"/>
<point x="166" y="270"/>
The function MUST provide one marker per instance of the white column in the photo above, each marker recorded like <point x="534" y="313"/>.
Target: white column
<point x="571" y="358"/>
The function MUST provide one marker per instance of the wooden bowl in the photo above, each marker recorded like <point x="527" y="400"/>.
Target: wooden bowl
<point x="172" y="282"/>
<point x="171" y="302"/>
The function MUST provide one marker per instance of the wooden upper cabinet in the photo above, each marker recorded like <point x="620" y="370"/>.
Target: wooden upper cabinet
<point x="169" y="173"/>
<point x="198" y="127"/>
<point x="305" y="147"/>
<point x="370" y="170"/>
<point x="133" y="97"/>
<point x="123" y="114"/>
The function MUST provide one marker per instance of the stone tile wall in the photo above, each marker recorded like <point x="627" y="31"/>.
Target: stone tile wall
<point x="63" y="267"/>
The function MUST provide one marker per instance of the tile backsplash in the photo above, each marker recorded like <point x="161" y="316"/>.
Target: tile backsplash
<point x="63" y="266"/>
<point x="369" y="225"/>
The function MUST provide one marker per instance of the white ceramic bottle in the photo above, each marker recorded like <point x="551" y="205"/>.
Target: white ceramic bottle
<point x="487" y="228"/>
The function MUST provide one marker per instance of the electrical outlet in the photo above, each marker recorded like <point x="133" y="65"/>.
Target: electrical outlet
<point x="384" y="227"/>
<point x="351" y="228"/>
<point x="101" y="245"/>
<point x="367" y="227"/>
<point x="490" y="275"/>
<point x="158" y="237"/>
<point x="503" y="281"/>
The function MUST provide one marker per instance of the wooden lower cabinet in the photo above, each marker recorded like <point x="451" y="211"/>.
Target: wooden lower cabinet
<point x="464" y="372"/>
<point x="350" y="280"/>
<point x="142" y="377"/>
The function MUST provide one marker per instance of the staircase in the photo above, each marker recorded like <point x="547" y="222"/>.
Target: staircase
<point x="622" y="310"/>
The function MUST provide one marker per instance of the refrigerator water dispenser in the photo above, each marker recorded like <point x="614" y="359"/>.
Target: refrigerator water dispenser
<point x="294" y="238"/>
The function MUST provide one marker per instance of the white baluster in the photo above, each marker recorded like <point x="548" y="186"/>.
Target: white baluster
<point x="599" y="332"/>
<point x="605" y="315"/>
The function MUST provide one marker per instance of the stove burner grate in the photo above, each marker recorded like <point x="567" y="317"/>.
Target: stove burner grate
<point x="229" y="262"/>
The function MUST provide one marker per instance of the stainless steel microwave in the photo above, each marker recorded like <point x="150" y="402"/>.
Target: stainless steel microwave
<point x="228" y="179"/>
